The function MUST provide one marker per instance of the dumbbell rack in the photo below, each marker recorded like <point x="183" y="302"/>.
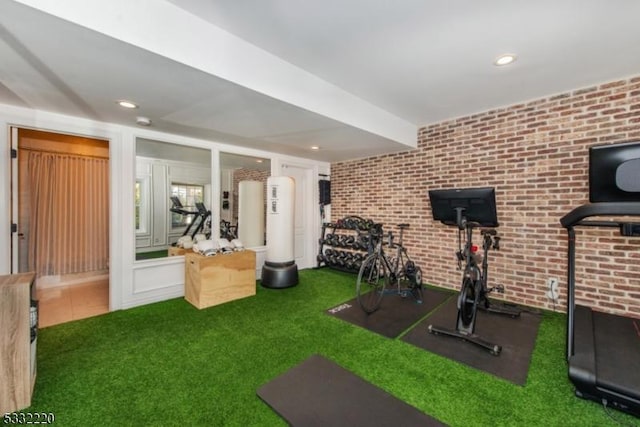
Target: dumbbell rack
<point x="345" y="243"/>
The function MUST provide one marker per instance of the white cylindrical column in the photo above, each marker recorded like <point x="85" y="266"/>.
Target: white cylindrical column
<point x="280" y="220"/>
<point x="251" y="213"/>
<point x="280" y="269"/>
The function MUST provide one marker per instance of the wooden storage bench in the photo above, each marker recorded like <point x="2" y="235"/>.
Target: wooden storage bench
<point x="218" y="279"/>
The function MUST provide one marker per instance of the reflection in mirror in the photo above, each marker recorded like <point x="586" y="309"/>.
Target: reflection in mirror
<point x="242" y="205"/>
<point x="172" y="182"/>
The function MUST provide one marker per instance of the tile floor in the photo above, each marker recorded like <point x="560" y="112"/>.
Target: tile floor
<point x="66" y="303"/>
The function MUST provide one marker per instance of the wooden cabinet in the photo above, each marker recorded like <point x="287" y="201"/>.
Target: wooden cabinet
<point x="17" y="349"/>
<point x="218" y="279"/>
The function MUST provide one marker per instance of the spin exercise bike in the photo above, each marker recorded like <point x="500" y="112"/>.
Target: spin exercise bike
<point x="469" y="209"/>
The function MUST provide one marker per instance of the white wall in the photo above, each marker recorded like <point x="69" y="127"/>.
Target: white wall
<point x="132" y="283"/>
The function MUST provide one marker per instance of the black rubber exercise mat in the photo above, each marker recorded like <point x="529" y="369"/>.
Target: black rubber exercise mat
<point x="318" y="392"/>
<point x="517" y="336"/>
<point x="395" y="315"/>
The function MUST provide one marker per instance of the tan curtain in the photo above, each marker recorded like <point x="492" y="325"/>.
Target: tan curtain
<point x="69" y="213"/>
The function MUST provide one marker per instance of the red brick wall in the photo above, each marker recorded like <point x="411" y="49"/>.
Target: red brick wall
<point x="535" y="155"/>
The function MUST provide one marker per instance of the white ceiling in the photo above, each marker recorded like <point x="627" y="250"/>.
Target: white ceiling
<point x="356" y="77"/>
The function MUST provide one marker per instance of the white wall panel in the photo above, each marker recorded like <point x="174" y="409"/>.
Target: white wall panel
<point x="132" y="283"/>
<point x="159" y="276"/>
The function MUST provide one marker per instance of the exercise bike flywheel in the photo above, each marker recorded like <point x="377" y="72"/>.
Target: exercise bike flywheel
<point x="467" y="302"/>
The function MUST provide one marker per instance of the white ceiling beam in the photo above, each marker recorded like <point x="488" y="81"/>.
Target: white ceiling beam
<point x="165" y="29"/>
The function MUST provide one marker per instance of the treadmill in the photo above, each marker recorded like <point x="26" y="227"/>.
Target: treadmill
<point x="603" y="350"/>
<point x="201" y="215"/>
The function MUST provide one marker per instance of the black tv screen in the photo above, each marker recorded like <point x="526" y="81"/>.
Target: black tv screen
<point x="614" y="173"/>
<point x="479" y="205"/>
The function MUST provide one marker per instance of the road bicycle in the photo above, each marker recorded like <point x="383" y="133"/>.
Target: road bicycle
<point x="382" y="274"/>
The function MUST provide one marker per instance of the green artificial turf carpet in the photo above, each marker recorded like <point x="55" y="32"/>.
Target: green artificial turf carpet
<point x="171" y="364"/>
<point x="163" y="253"/>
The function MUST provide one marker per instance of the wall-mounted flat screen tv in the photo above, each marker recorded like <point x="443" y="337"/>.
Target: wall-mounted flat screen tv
<point x="477" y="205"/>
<point x="614" y="173"/>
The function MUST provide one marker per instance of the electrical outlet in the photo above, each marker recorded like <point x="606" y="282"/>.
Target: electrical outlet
<point x="552" y="289"/>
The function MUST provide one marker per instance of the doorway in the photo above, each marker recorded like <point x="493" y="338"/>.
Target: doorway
<point x="62" y="222"/>
<point x="303" y="216"/>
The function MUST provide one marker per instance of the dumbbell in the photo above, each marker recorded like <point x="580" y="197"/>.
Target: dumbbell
<point x="351" y="259"/>
<point x="339" y="258"/>
<point x="349" y="241"/>
<point x="357" y="261"/>
<point x="326" y="256"/>
<point x="334" y="257"/>
<point x="345" y="258"/>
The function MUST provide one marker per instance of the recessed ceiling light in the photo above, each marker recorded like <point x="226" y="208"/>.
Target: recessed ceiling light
<point x="258" y="160"/>
<point x="127" y="104"/>
<point x="315" y="147"/>
<point x="505" y="59"/>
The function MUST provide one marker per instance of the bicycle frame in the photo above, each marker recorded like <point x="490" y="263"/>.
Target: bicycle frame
<point x="395" y="264"/>
<point x="379" y="271"/>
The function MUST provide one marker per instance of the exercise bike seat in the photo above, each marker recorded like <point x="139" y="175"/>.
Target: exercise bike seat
<point x="403" y="226"/>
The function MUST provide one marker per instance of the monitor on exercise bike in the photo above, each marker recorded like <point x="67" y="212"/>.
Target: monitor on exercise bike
<point x="474" y="204"/>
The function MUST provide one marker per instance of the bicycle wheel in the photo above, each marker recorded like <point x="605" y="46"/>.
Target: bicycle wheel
<point x="416" y="285"/>
<point x="372" y="279"/>
<point x="467" y="302"/>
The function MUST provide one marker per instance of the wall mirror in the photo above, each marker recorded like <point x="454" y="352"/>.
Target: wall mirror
<point x="167" y="174"/>
<point x="243" y="183"/>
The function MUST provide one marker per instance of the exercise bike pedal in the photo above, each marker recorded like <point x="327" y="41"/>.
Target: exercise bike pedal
<point x="499" y="289"/>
